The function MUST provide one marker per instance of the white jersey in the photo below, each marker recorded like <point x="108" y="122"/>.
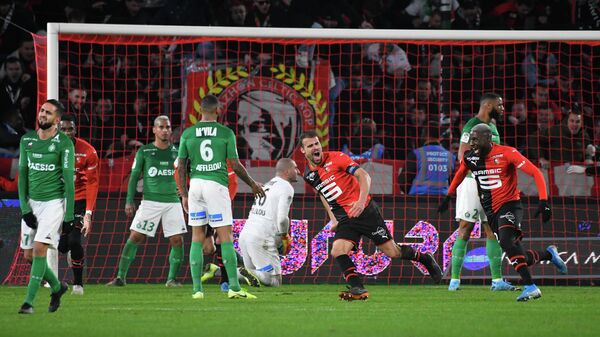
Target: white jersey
<point x="267" y="211"/>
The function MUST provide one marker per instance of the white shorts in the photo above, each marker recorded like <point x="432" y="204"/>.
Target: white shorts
<point x="209" y="203"/>
<point x="259" y="253"/>
<point x="468" y="205"/>
<point x="50" y="216"/>
<point x="151" y="213"/>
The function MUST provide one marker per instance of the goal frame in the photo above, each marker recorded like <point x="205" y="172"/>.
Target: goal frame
<point x="54" y="29"/>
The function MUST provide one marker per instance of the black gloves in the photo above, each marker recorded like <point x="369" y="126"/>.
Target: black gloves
<point x="67" y="227"/>
<point x="544" y="210"/>
<point x="30" y="220"/>
<point x="444" y="205"/>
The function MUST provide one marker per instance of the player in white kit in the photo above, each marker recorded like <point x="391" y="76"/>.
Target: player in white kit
<point x="265" y="234"/>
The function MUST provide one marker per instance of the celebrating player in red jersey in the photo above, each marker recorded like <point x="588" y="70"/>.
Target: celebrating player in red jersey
<point x="495" y="169"/>
<point x="86" y="190"/>
<point x="344" y="190"/>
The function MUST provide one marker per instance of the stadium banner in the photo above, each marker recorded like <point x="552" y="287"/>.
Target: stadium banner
<point x="267" y="107"/>
<point x="309" y="259"/>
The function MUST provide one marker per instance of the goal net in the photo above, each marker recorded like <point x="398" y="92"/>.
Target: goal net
<point x="371" y="94"/>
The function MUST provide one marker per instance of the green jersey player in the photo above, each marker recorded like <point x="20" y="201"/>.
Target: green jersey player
<point x="208" y="146"/>
<point x="46" y="195"/>
<point x="468" y="206"/>
<point x="155" y="162"/>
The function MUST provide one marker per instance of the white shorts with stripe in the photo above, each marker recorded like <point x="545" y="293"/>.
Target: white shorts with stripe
<point x="150" y="213"/>
<point x="259" y="253"/>
<point x="209" y="203"/>
<point x="468" y="205"/>
<point x="50" y="216"/>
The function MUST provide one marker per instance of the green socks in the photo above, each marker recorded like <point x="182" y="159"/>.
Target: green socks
<point x="494" y="253"/>
<point x="127" y="257"/>
<point x="196" y="264"/>
<point x="230" y="262"/>
<point x="175" y="261"/>
<point x="39" y="272"/>
<point x="458" y="256"/>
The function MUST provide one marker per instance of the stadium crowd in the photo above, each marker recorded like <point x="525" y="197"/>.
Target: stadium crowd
<point x="382" y="96"/>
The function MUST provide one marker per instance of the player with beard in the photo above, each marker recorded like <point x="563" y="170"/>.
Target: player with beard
<point x="343" y="187"/>
<point x="46" y="195"/>
<point x="468" y="207"/>
<point x="494" y="168"/>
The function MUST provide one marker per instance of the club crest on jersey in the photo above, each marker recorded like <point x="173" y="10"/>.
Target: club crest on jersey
<point x="496" y="161"/>
<point x="508" y="216"/>
<point x="311" y="176"/>
<point x="380" y="232"/>
<point x="30" y="144"/>
<point x="52" y="147"/>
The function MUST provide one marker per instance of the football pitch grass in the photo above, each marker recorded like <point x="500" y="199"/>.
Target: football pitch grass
<point x="304" y="310"/>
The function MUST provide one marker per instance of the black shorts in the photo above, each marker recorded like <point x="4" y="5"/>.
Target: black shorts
<point x="79" y="213"/>
<point x="369" y="224"/>
<point x="508" y="216"/>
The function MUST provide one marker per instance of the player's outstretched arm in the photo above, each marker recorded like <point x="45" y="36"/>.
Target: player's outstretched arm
<point x="527" y="166"/>
<point x="458" y="178"/>
<point x="241" y="172"/>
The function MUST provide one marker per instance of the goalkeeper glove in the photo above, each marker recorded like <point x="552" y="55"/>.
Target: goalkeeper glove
<point x="30" y="220"/>
<point x="444" y="205"/>
<point x="67" y="227"/>
<point x="544" y="210"/>
<point x="285" y="244"/>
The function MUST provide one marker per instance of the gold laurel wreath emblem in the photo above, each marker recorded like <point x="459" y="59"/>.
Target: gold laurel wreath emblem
<point x="288" y="76"/>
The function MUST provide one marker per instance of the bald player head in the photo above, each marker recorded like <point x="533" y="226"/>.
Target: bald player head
<point x="481" y="139"/>
<point x="287" y="169"/>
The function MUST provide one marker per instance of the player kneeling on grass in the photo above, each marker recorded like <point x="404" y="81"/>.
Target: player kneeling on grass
<point x="155" y="161"/>
<point x="343" y="187"/>
<point x="494" y="167"/>
<point x="211" y="246"/>
<point x="268" y="224"/>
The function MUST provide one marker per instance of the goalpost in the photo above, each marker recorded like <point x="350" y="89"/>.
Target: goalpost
<point x="356" y="88"/>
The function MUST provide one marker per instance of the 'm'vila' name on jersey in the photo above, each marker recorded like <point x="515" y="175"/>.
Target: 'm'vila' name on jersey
<point x="334" y="179"/>
<point x="208" y="145"/>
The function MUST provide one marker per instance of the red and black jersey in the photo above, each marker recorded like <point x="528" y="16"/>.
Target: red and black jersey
<point x="334" y="179"/>
<point x="86" y="173"/>
<point x="496" y="176"/>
